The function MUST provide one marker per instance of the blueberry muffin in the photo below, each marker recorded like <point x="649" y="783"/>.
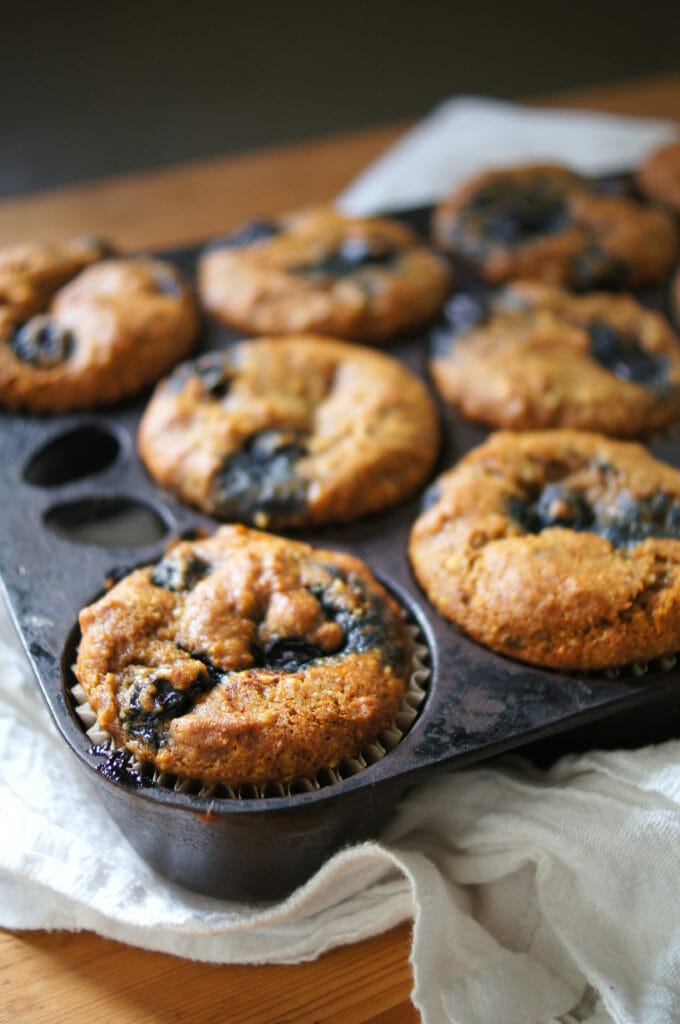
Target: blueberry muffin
<point x="548" y="222"/>
<point x="534" y="355"/>
<point x="560" y="548"/>
<point x="361" y="279"/>
<point x="245" y="658"/>
<point x="290" y="431"/>
<point x="78" y="330"/>
<point x="659" y="176"/>
<point x="30" y="273"/>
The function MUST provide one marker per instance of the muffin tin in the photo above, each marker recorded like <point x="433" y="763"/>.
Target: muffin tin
<point x="79" y="508"/>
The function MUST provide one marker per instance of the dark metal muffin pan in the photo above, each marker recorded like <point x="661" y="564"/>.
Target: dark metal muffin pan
<point x="79" y="507"/>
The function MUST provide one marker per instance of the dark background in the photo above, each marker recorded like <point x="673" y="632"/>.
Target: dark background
<point x="88" y="90"/>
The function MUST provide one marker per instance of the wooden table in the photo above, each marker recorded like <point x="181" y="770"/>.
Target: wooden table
<point x="80" y="977"/>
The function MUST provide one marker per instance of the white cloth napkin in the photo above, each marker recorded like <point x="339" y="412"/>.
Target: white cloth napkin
<point x="536" y="897"/>
<point x="466" y="135"/>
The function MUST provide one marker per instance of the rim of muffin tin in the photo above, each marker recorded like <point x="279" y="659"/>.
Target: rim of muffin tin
<point x="328" y="782"/>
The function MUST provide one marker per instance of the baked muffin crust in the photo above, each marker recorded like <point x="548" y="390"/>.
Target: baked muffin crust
<point x="78" y="331"/>
<point x="560" y="548"/>
<point x="245" y="658"/>
<point x="534" y="356"/>
<point x="659" y="176"/>
<point x="363" y="279"/>
<point x="548" y="222"/>
<point x="286" y="431"/>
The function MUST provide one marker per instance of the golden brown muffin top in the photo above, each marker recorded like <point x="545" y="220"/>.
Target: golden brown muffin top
<point x="283" y="431"/>
<point x="78" y="331"/>
<point x="558" y="547"/>
<point x="659" y="176"/>
<point x="548" y="222"/>
<point x="535" y="356"/>
<point x="364" y="279"/>
<point x="245" y="657"/>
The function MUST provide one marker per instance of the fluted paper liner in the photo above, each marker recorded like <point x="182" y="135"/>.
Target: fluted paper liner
<point x="414" y="695"/>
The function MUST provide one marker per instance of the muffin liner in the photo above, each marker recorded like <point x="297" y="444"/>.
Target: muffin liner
<point x="414" y="696"/>
<point x="630" y="672"/>
<point x="641" y="668"/>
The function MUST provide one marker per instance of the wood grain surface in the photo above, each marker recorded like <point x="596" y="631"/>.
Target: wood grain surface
<point x="64" y="977"/>
<point x="53" y="977"/>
